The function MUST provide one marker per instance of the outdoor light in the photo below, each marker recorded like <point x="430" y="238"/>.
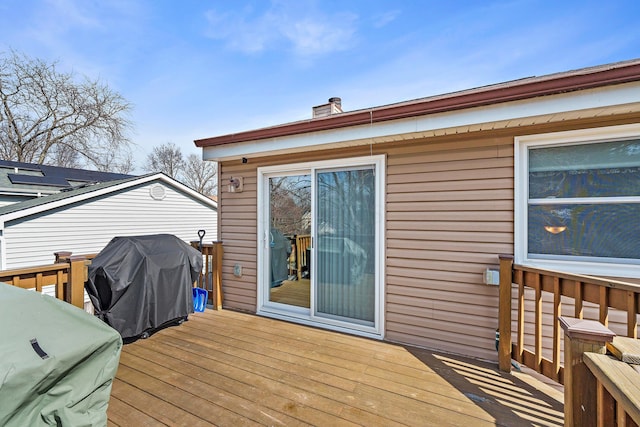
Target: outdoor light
<point x="235" y="185"/>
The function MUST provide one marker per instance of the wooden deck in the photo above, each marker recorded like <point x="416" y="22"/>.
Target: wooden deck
<point x="230" y="368"/>
<point x="292" y="292"/>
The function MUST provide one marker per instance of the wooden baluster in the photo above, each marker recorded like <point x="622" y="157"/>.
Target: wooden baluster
<point x="504" y="313"/>
<point x="208" y="268"/>
<point x="76" y="279"/>
<point x="579" y="312"/>
<point x="557" y="312"/>
<point x="606" y="407"/>
<point x="520" y="338"/>
<point x="538" y="324"/>
<point x="217" y="252"/>
<point x="39" y="282"/>
<point x="60" y="285"/>
<point x="604" y="305"/>
<point x="632" y="318"/>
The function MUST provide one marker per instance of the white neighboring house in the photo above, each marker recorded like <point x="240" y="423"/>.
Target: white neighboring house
<point x="83" y="220"/>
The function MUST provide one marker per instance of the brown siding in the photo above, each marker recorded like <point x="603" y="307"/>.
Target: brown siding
<point x="449" y="213"/>
<point x="238" y="229"/>
<point x="238" y="223"/>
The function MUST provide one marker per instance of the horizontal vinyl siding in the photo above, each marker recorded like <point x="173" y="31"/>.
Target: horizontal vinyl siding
<point x="238" y="231"/>
<point x="88" y="226"/>
<point x="238" y="223"/>
<point x="449" y="213"/>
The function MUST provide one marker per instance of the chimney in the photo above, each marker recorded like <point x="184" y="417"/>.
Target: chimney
<point x="325" y="110"/>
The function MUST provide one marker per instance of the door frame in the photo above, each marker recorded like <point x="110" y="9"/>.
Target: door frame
<point x="304" y="315"/>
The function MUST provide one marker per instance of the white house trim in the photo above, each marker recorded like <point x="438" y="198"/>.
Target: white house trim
<point x="592" y="102"/>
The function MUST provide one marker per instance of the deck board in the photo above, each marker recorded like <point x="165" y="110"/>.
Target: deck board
<point x="230" y="368"/>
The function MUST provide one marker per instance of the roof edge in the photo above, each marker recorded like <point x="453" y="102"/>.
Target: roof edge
<point x="586" y="78"/>
<point x="111" y="186"/>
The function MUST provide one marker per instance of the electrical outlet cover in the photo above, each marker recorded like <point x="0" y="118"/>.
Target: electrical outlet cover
<point x="237" y="270"/>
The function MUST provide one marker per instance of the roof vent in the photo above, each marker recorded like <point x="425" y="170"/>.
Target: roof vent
<point x="325" y="110"/>
<point x="157" y="192"/>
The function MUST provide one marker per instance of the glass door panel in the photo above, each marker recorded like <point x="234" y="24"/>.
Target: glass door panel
<point x="346" y="245"/>
<point x="289" y="240"/>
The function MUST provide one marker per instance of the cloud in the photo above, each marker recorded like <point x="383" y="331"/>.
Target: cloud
<point x="385" y="18"/>
<point x="302" y="28"/>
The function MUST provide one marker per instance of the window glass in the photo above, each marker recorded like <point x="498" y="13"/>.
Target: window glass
<point x="607" y="169"/>
<point x="585" y="230"/>
<point x="567" y="228"/>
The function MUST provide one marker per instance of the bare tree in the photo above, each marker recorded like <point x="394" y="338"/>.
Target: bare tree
<point x="201" y="175"/>
<point x="166" y="158"/>
<point x="48" y="116"/>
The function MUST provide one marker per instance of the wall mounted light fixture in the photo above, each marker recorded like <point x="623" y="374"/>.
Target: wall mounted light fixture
<point x="235" y="185"/>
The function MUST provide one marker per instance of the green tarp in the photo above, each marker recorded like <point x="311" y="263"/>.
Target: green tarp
<point x="57" y="362"/>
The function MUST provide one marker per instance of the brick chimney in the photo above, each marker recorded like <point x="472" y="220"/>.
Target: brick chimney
<point x="333" y="107"/>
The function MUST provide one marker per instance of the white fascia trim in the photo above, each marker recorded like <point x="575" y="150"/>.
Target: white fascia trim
<point x="34" y="193"/>
<point x="603" y="97"/>
<point x="186" y="189"/>
<point x="111" y="189"/>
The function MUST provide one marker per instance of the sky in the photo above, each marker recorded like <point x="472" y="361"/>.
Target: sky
<point x="194" y="69"/>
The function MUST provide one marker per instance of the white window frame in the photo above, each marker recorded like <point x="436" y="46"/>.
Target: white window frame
<point x="522" y="144"/>
<point x="305" y="316"/>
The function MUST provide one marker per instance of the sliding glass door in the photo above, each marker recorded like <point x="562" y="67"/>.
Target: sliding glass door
<point x="320" y="253"/>
<point x="345" y="252"/>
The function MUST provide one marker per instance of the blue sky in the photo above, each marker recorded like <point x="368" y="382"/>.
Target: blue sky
<point x="196" y="68"/>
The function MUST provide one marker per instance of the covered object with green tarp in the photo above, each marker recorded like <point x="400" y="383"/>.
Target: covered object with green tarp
<point x="57" y="362"/>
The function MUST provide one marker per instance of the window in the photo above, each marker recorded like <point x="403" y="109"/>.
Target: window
<point x="578" y="201"/>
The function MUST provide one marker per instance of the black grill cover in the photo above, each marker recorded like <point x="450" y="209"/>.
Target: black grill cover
<point x="138" y="284"/>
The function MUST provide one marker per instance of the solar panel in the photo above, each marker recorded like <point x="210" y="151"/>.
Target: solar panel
<point x="53" y="181"/>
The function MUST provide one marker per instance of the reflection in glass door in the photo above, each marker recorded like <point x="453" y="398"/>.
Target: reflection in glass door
<point x="346" y="245"/>
<point x="289" y="240"/>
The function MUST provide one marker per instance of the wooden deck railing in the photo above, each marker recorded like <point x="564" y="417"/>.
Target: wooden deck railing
<point x="605" y="294"/>
<point x="303" y="242"/>
<point x="602" y="383"/>
<point x="66" y="276"/>
<point x="211" y="276"/>
<point x="617" y="391"/>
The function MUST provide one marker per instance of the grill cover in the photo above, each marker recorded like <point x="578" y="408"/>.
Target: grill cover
<point x="141" y="283"/>
<point x="57" y="362"/>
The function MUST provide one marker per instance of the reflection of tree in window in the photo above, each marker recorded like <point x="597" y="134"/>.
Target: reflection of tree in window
<point x="291" y="204"/>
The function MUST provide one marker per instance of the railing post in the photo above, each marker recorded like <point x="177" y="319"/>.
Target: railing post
<point x="504" y="313"/>
<point x="75" y="282"/>
<point x="580" y="386"/>
<point x="62" y="256"/>
<point x="217" y="276"/>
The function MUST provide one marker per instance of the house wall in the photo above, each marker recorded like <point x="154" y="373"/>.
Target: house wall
<point x="449" y="213"/>
<point x="88" y="226"/>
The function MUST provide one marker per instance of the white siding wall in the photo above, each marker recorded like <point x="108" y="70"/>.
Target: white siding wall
<point x="88" y="226"/>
